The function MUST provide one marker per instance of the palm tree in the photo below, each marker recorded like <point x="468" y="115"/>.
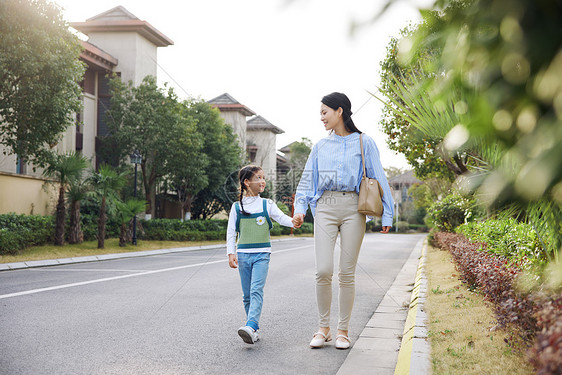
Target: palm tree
<point x="77" y="191"/>
<point x="64" y="168"/>
<point x="107" y="183"/>
<point x="125" y="213"/>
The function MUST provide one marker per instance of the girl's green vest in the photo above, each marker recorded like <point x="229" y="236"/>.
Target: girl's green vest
<point x="252" y="229"/>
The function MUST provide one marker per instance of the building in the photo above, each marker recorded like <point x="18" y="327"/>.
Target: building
<point x="400" y="185"/>
<point x="262" y="135"/>
<point x="234" y="114"/>
<point x="256" y="135"/>
<point x="131" y="47"/>
<point x="118" y="43"/>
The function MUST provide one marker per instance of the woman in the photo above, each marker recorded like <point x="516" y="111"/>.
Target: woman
<point x="330" y="186"/>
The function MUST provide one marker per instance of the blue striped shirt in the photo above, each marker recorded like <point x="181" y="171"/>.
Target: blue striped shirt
<point x="335" y="164"/>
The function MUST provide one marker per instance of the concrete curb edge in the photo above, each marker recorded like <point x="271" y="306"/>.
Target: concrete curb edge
<point x="413" y="357"/>
<point x="376" y="350"/>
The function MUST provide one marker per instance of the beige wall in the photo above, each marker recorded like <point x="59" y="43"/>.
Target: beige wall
<point x="136" y="55"/>
<point x="89" y="127"/>
<point x="26" y="195"/>
<point x="266" y="156"/>
<point x="238" y="123"/>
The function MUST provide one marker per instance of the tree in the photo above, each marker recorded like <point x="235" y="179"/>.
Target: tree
<point x="125" y="212"/>
<point x="148" y="119"/>
<point x="287" y="184"/>
<point x="185" y="176"/>
<point x="40" y="71"/>
<point x="392" y="172"/>
<point x="299" y="153"/>
<point x="64" y="168"/>
<point x="223" y="153"/>
<point x="77" y="191"/>
<point x="106" y="183"/>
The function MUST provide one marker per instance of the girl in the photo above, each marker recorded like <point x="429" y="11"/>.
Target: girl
<point x="250" y="218"/>
<point x="330" y="185"/>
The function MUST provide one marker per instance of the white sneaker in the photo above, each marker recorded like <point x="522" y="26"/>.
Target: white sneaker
<point x="248" y="334"/>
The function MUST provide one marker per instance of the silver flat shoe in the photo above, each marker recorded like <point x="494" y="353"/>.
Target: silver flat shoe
<point x="319" y="339"/>
<point x="342" y="342"/>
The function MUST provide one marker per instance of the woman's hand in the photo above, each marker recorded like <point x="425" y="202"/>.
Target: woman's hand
<point x="298" y="219"/>
<point x="386" y="229"/>
<point x="232" y="261"/>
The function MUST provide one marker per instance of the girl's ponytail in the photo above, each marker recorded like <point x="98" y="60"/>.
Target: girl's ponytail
<point x="242" y="188"/>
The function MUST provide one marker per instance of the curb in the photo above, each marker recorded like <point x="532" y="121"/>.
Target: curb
<point x="376" y="351"/>
<point x="413" y="357"/>
<point x="98" y="258"/>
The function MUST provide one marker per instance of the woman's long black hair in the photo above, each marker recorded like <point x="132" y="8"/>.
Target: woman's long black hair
<point x="337" y="100"/>
<point x="246" y="173"/>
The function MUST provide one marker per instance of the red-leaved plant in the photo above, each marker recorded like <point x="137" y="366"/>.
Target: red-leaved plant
<point x="536" y="317"/>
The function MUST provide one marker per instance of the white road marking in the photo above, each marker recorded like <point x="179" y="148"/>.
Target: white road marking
<point x="56" y="287"/>
<point x="50" y="269"/>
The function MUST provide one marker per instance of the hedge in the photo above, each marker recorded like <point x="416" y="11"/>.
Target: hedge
<point x="187" y="230"/>
<point x="452" y="211"/>
<point x="198" y="230"/>
<point x="20" y="231"/>
<point x="517" y="242"/>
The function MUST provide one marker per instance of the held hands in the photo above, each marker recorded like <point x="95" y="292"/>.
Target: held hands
<point x="386" y="229"/>
<point x="232" y="261"/>
<point x="298" y="219"/>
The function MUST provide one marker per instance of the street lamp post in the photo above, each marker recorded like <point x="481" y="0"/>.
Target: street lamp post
<point x="136" y="159"/>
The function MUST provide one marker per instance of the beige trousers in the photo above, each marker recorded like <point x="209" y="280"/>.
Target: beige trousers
<point x="337" y="212"/>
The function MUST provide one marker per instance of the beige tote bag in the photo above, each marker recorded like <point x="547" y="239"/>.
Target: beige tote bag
<point x="370" y="192"/>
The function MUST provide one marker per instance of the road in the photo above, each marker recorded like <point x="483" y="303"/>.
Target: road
<point x="179" y="313"/>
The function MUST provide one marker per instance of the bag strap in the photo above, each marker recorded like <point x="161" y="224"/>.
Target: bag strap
<point x="362" y="155"/>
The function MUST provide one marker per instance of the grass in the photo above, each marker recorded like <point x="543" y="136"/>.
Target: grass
<point x="90" y="248"/>
<point x="462" y="326"/>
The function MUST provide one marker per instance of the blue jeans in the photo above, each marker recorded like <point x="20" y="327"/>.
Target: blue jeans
<point x="253" y="269"/>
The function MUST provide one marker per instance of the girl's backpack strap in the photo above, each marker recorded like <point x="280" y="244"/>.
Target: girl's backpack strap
<point x="266" y="214"/>
<point x="237" y="207"/>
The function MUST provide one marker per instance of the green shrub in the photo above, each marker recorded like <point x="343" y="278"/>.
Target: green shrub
<point x="20" y="231"/>
<point x="419" y="227"/>
<point x="278" y="230"/>
<point x="187" y="230"/>
<point x="402" y="226"/>
<point x="89" y="225"/>
<point x="518" y="242"/>
<point x="10" y="242"/>
<point x="452" y="211"/>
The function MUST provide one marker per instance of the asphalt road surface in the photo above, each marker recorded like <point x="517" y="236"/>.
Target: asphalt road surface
<point x="179" y="313"/>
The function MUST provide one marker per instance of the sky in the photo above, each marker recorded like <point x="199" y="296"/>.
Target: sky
<point x="277" y="57"/>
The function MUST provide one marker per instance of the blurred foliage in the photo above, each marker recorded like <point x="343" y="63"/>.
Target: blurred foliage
<point x="483" y="78"/>
<point x="452" y="211"/>
<point x="419" y="148"/>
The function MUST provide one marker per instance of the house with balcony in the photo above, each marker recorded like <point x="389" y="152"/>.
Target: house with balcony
<point x="117" y="43"/>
